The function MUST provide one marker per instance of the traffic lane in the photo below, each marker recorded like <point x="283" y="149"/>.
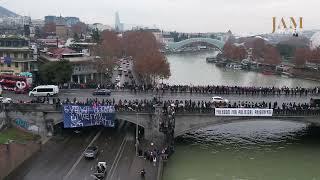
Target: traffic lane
<point x="124" y="162"/>
<point x="108" y="143"/>
<point x="55" y="159"/>
<point x="84" y="94"/>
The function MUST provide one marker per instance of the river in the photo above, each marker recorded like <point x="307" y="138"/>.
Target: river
<point x="255" y="150"/>
<point x="192" y="68"/>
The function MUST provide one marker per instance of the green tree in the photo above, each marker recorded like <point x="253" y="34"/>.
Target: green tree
<point x="76" y="37"/>
<point x="286" y="50"/>
<point x="57" y="72"/>
<point x="96" y="36"/>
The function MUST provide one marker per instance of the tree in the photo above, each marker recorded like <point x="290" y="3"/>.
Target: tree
<point x="149" y="62"/>
<point x="95" y="34"/>
<point x="257" y="46"/>
<point x="234" y="52"/>
<point x="76" y="37"/>
<point x="301" y="56"/>
<point x="49" y="28"/>
<point x="315" y="56"/>
<point x="57" y="72"/>
<point x="107" y="52"/>
<point x="271" y="55"/>
<point x="79" y="28"/>
<point x="286" y="50"/>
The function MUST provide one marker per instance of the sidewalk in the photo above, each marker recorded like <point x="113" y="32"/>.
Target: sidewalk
<point x="139" y="163"/>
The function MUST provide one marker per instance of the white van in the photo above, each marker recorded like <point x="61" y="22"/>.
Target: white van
<point x="46" y="90"/>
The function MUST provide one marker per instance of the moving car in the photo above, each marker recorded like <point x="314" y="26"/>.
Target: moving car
<point x="101" y="170"/>
<point x="45" y="90"/>
<point x="217" y="99"/>
<point x="102" y="92"/>
<point x="5" y="100"/>
<point x="91" y="152"/>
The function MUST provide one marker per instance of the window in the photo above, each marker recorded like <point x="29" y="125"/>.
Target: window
<point x="16" y="55"/>
<point x="9" y="65"/>
<point x="45" y="90"/>
<point x="25" y="55"/>
<point x="16" y="64"/>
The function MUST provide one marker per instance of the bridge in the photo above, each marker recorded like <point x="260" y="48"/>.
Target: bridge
<point x="40" y="118"/>
<point x="174" y="46"/>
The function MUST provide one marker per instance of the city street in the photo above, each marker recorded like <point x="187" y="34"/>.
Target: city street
<point x="83" y="94"/>
<point x="62" y="156"/>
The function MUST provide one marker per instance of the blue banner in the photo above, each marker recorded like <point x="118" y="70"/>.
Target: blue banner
<point x="82" y="116"/>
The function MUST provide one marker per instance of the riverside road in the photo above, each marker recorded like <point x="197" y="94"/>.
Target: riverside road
<point x="83" y="94"/>
<point x="61" y="158"/>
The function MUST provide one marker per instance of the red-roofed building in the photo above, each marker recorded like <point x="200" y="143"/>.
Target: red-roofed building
<point x="59" y="52"/>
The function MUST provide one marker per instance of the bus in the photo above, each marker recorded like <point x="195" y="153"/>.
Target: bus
<point x="18" y="84"/>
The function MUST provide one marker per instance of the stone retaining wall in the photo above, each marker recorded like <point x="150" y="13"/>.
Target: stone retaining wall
<point x="14" y="154"/>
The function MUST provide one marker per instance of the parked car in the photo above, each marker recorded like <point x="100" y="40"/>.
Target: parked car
<point x="217" y="99"/>
<point x="46" y="90"/>
<point x="106" y="92"/>
<point x="5" y="100"/>
<point x="91" y="152"/>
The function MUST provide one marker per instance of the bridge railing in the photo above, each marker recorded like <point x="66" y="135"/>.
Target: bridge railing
<point x="276" y="112"/>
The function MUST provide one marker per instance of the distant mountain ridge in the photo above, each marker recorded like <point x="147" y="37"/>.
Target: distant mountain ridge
<point x="7" y="13"/>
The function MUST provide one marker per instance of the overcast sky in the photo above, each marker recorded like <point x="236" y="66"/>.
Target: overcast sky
<point x="241" y="16"/>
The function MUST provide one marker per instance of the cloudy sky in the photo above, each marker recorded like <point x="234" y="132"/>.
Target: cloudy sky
<point x="241" y="16"/>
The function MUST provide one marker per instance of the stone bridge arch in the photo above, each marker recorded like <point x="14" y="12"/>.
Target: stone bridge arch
<point x="191" y="122"/>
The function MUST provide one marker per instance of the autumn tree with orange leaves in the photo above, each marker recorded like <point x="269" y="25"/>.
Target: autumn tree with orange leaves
<point x="271" y="55"/>
<point x="149" y="62"/>
<point x="234" y="52"/>
<point x="301" y="56"/>
<point x="107" y="53"/>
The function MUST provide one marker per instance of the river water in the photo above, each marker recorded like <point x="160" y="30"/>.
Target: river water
<point x="255" y="150"/>
<point x="193" y="69"/>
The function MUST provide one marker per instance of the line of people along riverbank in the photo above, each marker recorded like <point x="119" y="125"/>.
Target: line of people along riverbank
<point x="208" y="89"/>
<point x="187" y="106"/>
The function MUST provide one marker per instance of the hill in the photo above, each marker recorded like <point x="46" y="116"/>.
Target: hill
<point x="6" y="13"/>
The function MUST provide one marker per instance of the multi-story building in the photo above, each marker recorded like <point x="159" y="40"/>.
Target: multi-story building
<point x="16" y="55"/>
<point x="70" y="21"/>
<point x="84" y="69"/>
<point x="50" y="19"/>
<point x="61" y="28"/>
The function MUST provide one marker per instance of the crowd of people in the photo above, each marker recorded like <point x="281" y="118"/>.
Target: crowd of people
<point x="227" y="90"/>
<point x="208" y="89"/>
<point x="186" y="106"/>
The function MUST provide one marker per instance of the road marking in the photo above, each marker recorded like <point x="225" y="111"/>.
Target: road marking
<point x="117" y="159"/>
<point x="79" y="159"/>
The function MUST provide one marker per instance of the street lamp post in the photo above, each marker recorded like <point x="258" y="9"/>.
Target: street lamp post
<point x="137" y="131"/>
<point x="137" y="134"/>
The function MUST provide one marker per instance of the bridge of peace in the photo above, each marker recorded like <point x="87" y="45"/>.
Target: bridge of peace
<point x="42" y="118"/>
<point x="174" y="46"/>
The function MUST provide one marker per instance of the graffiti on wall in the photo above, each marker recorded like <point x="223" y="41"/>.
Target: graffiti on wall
<point x="26" y="125"/>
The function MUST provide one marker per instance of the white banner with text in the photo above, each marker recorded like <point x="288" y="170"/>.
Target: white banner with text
<point x="243" y="112"/>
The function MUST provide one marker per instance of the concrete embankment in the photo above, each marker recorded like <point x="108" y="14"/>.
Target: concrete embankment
<point x="160" y="170"/>
<point x="12" y="155"/>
